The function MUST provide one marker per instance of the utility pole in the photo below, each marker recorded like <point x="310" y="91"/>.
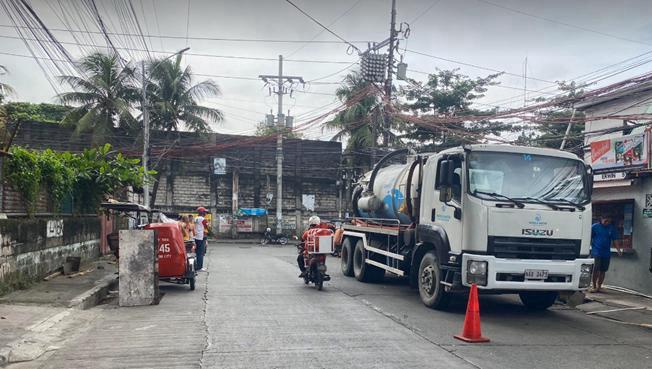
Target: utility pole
<point x="390" y="70"/>
<point x="145" y="137"/>
<point x="525" y="83"/>
<point x="280" y="125"/>
<point x="146" y="123"/>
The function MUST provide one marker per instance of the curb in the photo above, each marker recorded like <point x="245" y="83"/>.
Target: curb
<point x="94" y="296"/>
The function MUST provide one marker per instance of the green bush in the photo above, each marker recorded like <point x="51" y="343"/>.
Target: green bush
<point x="87" y="177"/>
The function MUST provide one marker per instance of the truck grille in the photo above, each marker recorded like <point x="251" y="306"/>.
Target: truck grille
<point x="533" y="248"/>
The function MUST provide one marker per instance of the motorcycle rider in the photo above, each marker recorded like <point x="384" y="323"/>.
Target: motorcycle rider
<point x="313" y="222"/>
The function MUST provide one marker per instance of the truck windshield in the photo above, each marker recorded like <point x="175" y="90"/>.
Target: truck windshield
<point x="527" y="177"/>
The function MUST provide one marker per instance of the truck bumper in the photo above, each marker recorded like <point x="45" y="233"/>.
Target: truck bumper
<point x="509" y="274"/>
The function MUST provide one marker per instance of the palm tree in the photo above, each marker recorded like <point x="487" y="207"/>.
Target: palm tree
<point x="102" y="97"/>
<point x="173" y="98"/>
<point x="360" y="121"/>
<point x="5" y="89"/>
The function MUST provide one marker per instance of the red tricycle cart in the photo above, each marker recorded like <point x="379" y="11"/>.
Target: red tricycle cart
<point x="176" y="258"/>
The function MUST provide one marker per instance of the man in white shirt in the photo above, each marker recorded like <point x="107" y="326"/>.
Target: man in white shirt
<point x="201" y="227"/>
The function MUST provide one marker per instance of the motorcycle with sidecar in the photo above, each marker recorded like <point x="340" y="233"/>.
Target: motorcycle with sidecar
<point x="176" y="258"/>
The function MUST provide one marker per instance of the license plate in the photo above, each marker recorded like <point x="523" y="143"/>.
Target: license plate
<point x="536" y="274"/>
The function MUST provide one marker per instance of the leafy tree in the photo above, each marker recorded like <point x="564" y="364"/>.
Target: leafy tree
<point x="360" y="123"/>
<point x="46" y="113"/>
<point x="5" y="89"/>
<point x="448" y="94"/>
<point x="551" y="123"/>
<point x="103" y="97"/>
<point x="174" y="98"/>
<point x="88" y="177"/>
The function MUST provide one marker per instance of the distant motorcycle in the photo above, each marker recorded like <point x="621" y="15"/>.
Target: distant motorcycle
<point x="270" y="238"/>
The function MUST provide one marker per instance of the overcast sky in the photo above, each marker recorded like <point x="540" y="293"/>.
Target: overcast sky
<point x="562" y="39"/>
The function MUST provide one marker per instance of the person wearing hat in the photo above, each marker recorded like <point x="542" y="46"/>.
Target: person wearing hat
<point x="201" y="228"/>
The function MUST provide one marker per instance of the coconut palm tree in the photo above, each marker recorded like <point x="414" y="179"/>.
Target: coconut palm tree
<point x="5" y="89"/>
<point x="360" y="122"/>
<point x="102" y="96"/>
<point x="173" y="98"/>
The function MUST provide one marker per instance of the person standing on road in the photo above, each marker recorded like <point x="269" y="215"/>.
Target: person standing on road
<point x="201" y="226"/>
<point x="603" y="236"/>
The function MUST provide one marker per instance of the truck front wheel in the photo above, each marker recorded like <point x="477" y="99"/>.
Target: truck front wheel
<point x="347" y="257"/>
<point x="538" y="300"/>
<point x="431" y="290"/>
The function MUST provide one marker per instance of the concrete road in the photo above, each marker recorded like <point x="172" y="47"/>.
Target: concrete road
<point x="251" y="311"/>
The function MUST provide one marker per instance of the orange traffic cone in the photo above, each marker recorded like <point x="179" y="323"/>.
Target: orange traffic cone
<point x="471" y="332"/>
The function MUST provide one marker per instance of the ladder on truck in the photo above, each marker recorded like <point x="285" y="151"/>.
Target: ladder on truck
<point x="389" y="228"/>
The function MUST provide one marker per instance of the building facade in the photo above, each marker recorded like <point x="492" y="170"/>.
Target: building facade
<point x="618" y="149"/>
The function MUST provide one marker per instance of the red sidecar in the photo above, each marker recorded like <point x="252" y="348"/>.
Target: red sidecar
<point x="176" y="261"/>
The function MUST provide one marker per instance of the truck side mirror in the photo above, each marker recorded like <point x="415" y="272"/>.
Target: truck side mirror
<point x="445" y="180"/>
<point x="589" y="181"/>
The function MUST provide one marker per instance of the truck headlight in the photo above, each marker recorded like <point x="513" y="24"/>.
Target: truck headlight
<point x="476" y="272"/>
<point x="586" y="271"/>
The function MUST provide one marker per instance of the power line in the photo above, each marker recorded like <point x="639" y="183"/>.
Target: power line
<point x="198" y="38"/>
<point x="586" y="29"/>
<point x="424" y="12"/>
<point x="165" y="52"/>
<point x="322" y="31"/>
<point x="478" y="66"/>
<point x="321" y="25"/>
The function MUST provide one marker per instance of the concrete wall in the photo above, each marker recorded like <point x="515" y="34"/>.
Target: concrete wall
<point x="187" y="180"/>
<point x="29" y="250"/>
<point x="632" y="269"/>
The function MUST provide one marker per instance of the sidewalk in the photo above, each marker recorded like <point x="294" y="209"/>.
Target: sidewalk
<point x="76" y="290"/>
<point x="619" y="306"/>
<point x="35" y="320"/>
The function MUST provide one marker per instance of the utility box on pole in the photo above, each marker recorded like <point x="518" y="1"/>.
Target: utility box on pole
<point x="138" y="268"/>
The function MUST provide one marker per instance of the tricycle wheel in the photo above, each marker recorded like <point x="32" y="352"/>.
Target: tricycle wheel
<point x="192" y="283"/>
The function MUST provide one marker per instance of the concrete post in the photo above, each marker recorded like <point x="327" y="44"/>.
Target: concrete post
<point x="138" y="268"/>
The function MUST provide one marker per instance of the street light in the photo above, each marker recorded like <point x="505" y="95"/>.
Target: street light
<point x="146" y="121"/>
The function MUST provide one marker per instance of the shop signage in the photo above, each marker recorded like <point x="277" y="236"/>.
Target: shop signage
<point x="609" y="176"/>
<point x="615" y="154"/>
<point x="647" y="213"/>
<point x="244" y="225"/>
<point x="219" y="166"/>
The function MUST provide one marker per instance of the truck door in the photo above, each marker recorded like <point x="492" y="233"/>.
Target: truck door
<point x="437" y="213"/>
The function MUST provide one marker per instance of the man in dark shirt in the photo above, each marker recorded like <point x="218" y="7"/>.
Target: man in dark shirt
<point x="603" y="235"/>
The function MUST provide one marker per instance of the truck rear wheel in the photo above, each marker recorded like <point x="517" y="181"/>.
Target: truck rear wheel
<point x="361" y="270"/>
<point x="429" y="280"/>
<point x="347" y="257"/>
<point x="538" y="300"/>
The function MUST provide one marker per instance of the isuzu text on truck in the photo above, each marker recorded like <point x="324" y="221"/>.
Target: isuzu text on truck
<point x="509" y="219"/>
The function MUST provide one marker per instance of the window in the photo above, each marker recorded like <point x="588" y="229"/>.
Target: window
<point x="527" y="177"/>
<point x="621" y="213"/>
<point x="457" y="176"/>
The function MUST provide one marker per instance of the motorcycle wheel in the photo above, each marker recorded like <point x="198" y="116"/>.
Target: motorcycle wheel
<point x="319" y="281"/>
<point x="283" y="240"/>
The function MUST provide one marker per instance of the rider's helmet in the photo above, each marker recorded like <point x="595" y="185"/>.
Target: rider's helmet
<point x="314" y="221"/>
<point x="202" y="210"/>
<point x="268" y="230"/>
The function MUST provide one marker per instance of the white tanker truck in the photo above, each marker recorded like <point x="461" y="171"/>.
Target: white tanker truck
<point x="508" y="219"/>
